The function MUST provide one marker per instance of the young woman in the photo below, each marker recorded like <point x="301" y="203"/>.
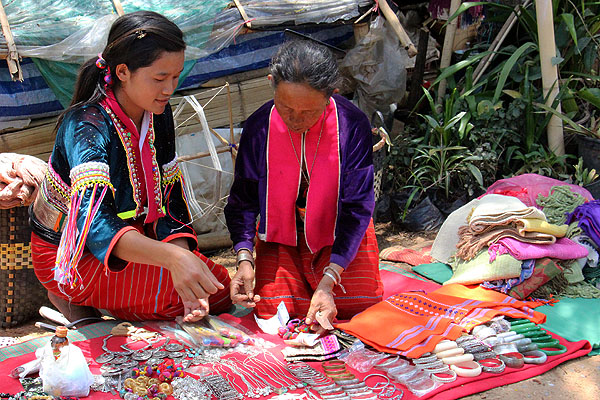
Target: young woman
<point x="305" y="166"/>
<point x="111" y="227"/>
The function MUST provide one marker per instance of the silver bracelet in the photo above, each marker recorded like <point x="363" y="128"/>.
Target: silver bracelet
<point x="244" y="255"/>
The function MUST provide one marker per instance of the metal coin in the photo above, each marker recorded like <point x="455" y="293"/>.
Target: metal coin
<point x="120" y="360"/>
<point x="160" y="354"/>
<point x="153" y="361"/>
<point x="104" y="358"/>
<point x="176" y="354"/>
<point x="129" y="364"/>
<point x="109" y="370"/>
<point x="173" y="347"/>
<point x="141" y="355"/>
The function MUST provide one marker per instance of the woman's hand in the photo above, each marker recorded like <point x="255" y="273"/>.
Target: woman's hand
<point x="322" y="302"/>
<point x="195" y="311"/>
<point x="191" y="277"/>
<point x="241" y="288"/>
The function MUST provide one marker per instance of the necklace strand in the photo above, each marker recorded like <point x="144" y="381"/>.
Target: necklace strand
<point x="309" y="173"/>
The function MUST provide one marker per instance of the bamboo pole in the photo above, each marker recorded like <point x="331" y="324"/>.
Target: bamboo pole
<point x="392" y="18"/>
<point x="447" y="49"/>
<point x="231" y="136"/>
<point x="547" y="44"/>
<point x="202" y="154"/>
<point x="243" y="14"/>
<point x="485" y="62"/>
<point x="118" y="7"/>
<point x="12" y="58"/>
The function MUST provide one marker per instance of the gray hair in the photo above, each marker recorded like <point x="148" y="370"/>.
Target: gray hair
<point x="303" y="61"/>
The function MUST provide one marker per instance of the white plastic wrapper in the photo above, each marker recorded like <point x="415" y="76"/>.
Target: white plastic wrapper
<point x="69" y="375"/>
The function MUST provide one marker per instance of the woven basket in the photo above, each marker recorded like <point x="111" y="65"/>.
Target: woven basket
<point x="21" y="294"/>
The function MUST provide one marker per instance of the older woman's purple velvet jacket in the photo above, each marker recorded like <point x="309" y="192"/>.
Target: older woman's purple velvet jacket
<point x="247" y="199"/>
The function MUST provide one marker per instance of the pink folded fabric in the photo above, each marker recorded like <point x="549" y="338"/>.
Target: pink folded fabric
<point x="562" y="249"/>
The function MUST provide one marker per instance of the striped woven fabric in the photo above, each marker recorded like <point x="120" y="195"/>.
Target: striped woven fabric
<point x="416" y="322"/>
<point x="413" y="256"/>
<point x="139" y="292"/>
<point x="291" y="274"/>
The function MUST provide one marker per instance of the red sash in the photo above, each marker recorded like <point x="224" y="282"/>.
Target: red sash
<point x="284" y="174"/>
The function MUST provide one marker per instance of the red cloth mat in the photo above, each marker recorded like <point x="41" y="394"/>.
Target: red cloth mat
<point x="394" y="283"/>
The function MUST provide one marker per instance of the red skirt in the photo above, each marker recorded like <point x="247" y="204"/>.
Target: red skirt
<point x="291" y="274"/>
<point x="137" y="293"/>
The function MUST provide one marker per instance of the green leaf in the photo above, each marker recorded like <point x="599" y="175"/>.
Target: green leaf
<point x="569" y="20"/>
<point x="431" y="121"/>
<point x="484" y="106"/>
<point x="556" y="60"/>
<point x="508" y="66"/>
<point x="560" y="115"/>
<point x="512" y="93"/>
<point x="591" y="95"/>
<point x="464" y="123"/>
<point x="454" y="68"/>
<point x="476" y="173"/>
<point x="465" y="6"/>
<point x="455" y="119"/>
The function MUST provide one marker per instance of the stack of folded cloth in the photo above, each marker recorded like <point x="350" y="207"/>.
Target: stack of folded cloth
<point x="511" y="247"/>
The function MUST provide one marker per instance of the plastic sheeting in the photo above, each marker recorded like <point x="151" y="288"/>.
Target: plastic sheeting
<point x="76" y="30"/>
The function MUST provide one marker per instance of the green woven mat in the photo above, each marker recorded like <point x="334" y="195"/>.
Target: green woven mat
<point x="84" y="333"/>
<point x="437" y="272"/>
<point x="402" y="269"/>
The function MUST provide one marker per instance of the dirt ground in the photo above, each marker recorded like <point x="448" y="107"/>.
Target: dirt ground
<point x="577" y="379"/>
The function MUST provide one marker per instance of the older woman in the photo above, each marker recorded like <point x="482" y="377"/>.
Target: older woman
<point x="305" y="167"/>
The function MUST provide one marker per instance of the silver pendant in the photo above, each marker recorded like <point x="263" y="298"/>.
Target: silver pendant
<point x="104" y="358"/>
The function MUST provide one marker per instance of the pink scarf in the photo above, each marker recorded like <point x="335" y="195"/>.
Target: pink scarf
<point x="284" y="175"/>
<point x="143" y="168"/>
<point x="563" y="249"/>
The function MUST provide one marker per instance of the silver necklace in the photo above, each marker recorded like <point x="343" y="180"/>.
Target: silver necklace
<point x="316" y="150"/>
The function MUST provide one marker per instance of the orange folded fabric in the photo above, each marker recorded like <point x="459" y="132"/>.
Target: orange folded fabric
<point x="416" y="322"/>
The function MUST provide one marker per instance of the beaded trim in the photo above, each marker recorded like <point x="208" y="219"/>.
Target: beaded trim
<point x="55" y="191"/>
<point x="130" y="152"/>
<point x="171" y="172"/>
<point x="89" y="174"/>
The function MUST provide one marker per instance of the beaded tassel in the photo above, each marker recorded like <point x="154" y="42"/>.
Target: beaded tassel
<point x="89" y="176"/>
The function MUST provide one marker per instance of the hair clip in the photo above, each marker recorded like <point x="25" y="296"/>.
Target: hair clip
<point x="101" y="62"/>
<point x="140" y="33"/>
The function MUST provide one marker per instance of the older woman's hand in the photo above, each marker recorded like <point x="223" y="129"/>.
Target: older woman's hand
<point x="322" y="307"/>
<point x="241" y="288"/>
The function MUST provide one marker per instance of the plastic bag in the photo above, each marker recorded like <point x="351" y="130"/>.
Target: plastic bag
<point x="424" y="216"/>
<point x="377" y="63"/>
<point x="69" y="375"/>
<point x="359" y="358"/>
